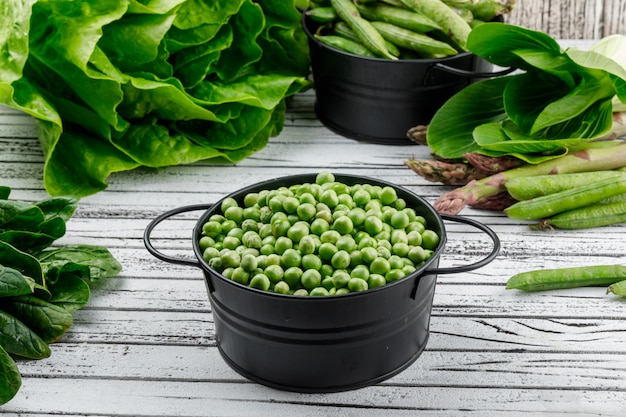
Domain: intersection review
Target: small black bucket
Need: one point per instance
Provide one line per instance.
(379, 100)
(322, 344)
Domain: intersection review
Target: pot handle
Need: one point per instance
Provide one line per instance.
(164, 216)
(476, 265)
(472, 74)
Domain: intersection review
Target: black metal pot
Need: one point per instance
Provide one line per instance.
(378, 100)
(323, 344)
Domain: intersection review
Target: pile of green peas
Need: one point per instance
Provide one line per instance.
(317, 239)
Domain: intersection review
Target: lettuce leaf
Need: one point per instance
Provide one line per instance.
(115, 85)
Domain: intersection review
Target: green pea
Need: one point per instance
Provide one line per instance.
(282, 244)
(327, 250)
(388, 195)
(360, 271)
(383, 252)
(306, 211)
(210, 253)
(282, 287)
(234, 213)
(357, 285)
(324, 214)
(330, 236)
(376, 280)
(261, 282)
(275, 273)
(311, 261)
(329, 197)
(292, 276)
(230, 258)
(342, 291)
(373, 225)
(368, 254)
(265, 215)
(319, 292)
(361, 197)
(400, 249)
(340, 278)
(298, 231)
(275, 203)
(340, 260)
(228, 225)
(240, 275)
(307, 245)
(280, 227)
(355, 258)
(394, 275)
(231, 242)
(306, 197)
(408, 269)
(380, 266)
(417, 254)
(343, 224)
(250, 199)
(236, 232)
(399, 204)
(301, 292)
(252, 213)
(399, 236)
(327, 270)
(346, 243)
(395, 262)
(414, 238)
(291, 257)
(290, 204)
(345, 199)
(249, 262)
(430, 239)
(267, 249)
(328, 283)
(324, 177)
(227, 203)
(212, 228)
(311, 278)
(228, 272)
(400, 220)
(217, 218)
(273, 259)
(251, 239)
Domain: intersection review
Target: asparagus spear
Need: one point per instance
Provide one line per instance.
(593, 159)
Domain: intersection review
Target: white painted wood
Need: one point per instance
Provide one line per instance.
(145, 344)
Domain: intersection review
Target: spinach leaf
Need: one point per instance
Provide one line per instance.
(47, 320)
(17, 339)
(10, 378)
(98, 260)
(12, 282)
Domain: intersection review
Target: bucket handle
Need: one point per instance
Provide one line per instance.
(465, 268)
(471, 74)
(164, 216)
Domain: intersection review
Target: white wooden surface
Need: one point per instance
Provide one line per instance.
(145, 346)
(571, 19)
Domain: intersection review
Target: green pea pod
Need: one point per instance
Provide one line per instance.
(344, 44)
(398, 16)
(451, 23)
(342, 29)
(617, 288)
(417, 42)
(324, 14)
(560, 278)
(587, 217)
(368, 35)
(549, 205)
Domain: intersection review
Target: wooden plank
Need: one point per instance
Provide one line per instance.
(176, 398)
(454, 369)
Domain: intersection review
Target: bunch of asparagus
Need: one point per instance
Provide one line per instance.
(482, 179)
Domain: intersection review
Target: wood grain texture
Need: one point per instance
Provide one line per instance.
(571, 19)
(145, 344)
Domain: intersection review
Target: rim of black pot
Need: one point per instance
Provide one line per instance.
(310, 178)
(306, 20)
